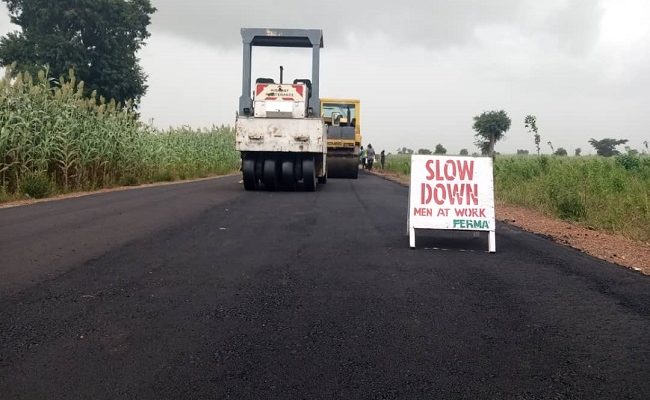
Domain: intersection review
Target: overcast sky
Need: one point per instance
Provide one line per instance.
(422, 69)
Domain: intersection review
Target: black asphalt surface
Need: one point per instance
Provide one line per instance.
(202, 291)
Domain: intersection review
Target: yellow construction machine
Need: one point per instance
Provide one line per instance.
(343, 120)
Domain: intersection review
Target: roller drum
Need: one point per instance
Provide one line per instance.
(342, 167)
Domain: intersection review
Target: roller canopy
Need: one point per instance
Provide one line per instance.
(308, 38)
(283, 37)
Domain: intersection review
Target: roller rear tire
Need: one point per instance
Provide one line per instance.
(248, 171)
(288, 175)
(309, 174)
(271, 174)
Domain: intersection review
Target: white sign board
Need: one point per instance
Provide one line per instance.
(455, 193)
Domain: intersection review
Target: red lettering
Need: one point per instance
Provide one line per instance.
(450, 170)
(429, 170)
(471, 193)
(470, 212)
(433, 174)
(439, 190)
(425, 194)
(455, 194)
(423, 212)
(466, 170)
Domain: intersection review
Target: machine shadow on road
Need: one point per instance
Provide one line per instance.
(451, 240)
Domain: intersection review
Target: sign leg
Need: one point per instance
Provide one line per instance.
(408, 216)
(412, 237)
(408, 224)
(492, 242)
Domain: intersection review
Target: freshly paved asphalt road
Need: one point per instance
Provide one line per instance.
(202, 290)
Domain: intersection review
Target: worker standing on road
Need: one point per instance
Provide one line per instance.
(371, 156)
(382, 158)
(362, 157)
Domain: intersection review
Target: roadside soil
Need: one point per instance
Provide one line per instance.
(604, 245)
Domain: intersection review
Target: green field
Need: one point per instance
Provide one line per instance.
(52, 140)
(611, 194)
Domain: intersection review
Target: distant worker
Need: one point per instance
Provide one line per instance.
(382, 158)
(371, 156)
(362, 157)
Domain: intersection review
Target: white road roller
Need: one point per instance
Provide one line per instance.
(279, 130)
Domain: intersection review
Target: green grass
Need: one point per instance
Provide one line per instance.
(400, 164)
(611, 194)
(53, 140)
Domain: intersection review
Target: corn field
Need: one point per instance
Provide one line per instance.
(54, 140)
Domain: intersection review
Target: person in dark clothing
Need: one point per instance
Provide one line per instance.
(382, 158)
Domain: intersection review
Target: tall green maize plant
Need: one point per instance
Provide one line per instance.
(48, 129)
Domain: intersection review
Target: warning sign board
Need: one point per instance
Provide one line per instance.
(455, 193)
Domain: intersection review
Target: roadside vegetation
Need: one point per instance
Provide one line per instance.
(54, 140)
(607, 193)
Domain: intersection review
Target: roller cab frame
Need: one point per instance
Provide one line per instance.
(279, 130)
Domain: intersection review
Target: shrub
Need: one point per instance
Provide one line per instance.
(128, 180)
(36, 185)
(629, 161)
(571, 208)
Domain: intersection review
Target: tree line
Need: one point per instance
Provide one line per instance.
(491, 126)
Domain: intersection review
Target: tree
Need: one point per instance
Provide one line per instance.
(522, 152)
(490, 128)
(560, 152)
(440, 150)
(484, 146)
(404, 150)
(631, 151)
(464, 152)
(424, 151)
(645, 143)
(99, 39)
(531, 123)
(607, 147)
(578, 151)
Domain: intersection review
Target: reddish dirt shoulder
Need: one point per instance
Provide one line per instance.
(606, 246)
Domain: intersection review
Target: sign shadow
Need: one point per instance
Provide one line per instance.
(452, 240)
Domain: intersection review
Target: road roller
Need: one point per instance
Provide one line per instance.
(279, 131)
(343, 120)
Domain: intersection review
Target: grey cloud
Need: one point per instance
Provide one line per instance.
(431, 24)
(576, 25)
